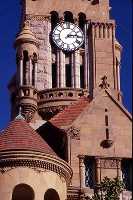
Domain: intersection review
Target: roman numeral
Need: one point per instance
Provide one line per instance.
(68, 25)
(78, 42)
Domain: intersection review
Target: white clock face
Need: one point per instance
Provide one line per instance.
(68, 36)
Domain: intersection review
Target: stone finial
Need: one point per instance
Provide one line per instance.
(20, 116)
(26, 35)
(26, 24)
(104, 84)
(73, 132)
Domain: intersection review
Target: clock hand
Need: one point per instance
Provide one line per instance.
(69, 36)
(74, 36)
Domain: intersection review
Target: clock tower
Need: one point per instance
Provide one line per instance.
(67, 84)
(63, 52)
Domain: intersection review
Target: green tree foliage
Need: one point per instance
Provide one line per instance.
(109, 189)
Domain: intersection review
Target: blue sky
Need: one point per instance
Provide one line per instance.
(9, 26)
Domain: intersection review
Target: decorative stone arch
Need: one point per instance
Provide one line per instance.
(54, 18)
(25, 66)
(51, 194)
(68, 16)
(82, 20)
(23, 192)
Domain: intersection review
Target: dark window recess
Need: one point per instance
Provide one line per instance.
(25, 67)
(51, 194)
(33, 74)
(54, 76)
(68, 16)
(81, 76)
(68, 75)
(107, 133)
(89, 172)
(106, 120)
(82, 20)
(23, 192)
(126, 166)
(54, 19)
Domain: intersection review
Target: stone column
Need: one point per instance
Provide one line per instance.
(30, 70)
(49, 54)
(35, 74)
(77, 69)
(62, 73)
(86, 69)
(58, 67)
(21, 71)
(118, 76)
(82, 171)
(98, 171)
(119, 174)
(73, 70)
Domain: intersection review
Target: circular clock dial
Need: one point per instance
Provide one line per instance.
(68, 36)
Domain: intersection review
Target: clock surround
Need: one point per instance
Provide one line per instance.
(68, 36)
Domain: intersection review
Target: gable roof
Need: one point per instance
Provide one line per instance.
(123, 109)
(69, 114)
(20, 136)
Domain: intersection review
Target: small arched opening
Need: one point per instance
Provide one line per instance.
(25, 67)
(23, 192)
(68, 16)
(54, 19)
(82, 20)
(34, 70)
(51, 194)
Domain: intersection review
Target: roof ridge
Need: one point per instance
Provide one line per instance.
(62, 116)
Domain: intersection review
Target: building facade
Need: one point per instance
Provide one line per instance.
(67, 88)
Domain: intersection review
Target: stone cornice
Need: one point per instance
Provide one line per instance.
(109, 23)
(38, 17)
(35, 160)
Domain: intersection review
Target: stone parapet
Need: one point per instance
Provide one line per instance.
(55, 100)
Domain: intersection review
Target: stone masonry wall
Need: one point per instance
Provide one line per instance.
(41, 28)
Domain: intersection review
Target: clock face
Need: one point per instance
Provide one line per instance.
(68, 36)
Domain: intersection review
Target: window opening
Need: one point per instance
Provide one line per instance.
(23, 192)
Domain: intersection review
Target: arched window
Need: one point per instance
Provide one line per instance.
(126, 166)
(51, 194)
(33, 69)
(82, 76)
(54, 19)
(82, 20)
(23, 192)
(68, 16)
(54, 75)
(89, 172)
(25, 67)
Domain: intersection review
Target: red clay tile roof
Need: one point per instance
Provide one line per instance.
(69, 114)
(20, 136)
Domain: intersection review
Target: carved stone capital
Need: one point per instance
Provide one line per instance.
(104, 84)
(73, 132)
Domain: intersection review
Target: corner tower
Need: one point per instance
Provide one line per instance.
(64, 75)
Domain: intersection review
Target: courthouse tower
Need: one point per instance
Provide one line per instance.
(67, 84)
(61, 75)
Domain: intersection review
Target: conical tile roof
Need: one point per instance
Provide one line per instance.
(26, 35)
(20, 136)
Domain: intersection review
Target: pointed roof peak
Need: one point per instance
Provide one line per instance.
(26, 35)
(20, 136)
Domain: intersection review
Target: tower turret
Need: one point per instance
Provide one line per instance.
(27, 55)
